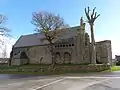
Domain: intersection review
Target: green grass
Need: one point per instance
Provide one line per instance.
(115, 68)
(35, 69)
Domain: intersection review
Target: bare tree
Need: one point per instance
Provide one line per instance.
(4, 32)
(50, 25)
(91, 19)
(4, 51)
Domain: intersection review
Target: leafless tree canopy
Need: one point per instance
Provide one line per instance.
(48, 23)
(3, 29)
(51, 25)
(91, 18)
(4, 51)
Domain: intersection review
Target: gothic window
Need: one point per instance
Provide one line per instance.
(24, 58)
(23, 55)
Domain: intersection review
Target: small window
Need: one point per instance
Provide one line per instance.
(69, 45)
(63, 45)
(66, 45)
(60, 45)
(55, 46)
(72, 44)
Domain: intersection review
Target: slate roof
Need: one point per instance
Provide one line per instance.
(29, 40)
(36, 39)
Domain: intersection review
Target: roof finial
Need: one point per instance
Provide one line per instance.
(81, 21)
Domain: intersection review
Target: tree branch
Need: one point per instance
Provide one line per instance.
(93, 13)
(87, 13)
(97, 16)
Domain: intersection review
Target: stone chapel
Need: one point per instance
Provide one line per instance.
(71, 47)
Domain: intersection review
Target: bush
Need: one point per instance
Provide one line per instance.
(118, 63)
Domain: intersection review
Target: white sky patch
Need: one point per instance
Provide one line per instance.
(6, 43)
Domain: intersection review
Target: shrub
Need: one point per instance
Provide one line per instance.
(118, 63)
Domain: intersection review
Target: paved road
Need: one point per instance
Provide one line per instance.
(93, 81)
(15, 76)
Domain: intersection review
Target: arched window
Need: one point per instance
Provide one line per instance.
(58, 58)
(24, 58)
(23, 55)
(57, 54)
(67, 58)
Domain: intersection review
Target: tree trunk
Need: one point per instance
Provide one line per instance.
(9, 62)
(93, 49)
(10, 59)
(52, 54)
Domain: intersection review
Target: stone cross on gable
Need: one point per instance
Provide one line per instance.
(81, 21)
(82, 24)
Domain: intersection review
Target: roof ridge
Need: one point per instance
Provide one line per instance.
(30, 34)
(41, 33)
(32, 39)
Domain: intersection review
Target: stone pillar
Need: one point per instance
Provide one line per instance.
(81, 42)
(87, 51)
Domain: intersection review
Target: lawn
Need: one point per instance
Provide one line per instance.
(115, 68)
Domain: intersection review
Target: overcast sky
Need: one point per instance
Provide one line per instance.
(107, 26)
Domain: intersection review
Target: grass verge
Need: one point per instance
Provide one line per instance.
(37, 69)
(115, 68)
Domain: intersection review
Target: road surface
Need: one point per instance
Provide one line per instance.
(93, 81)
